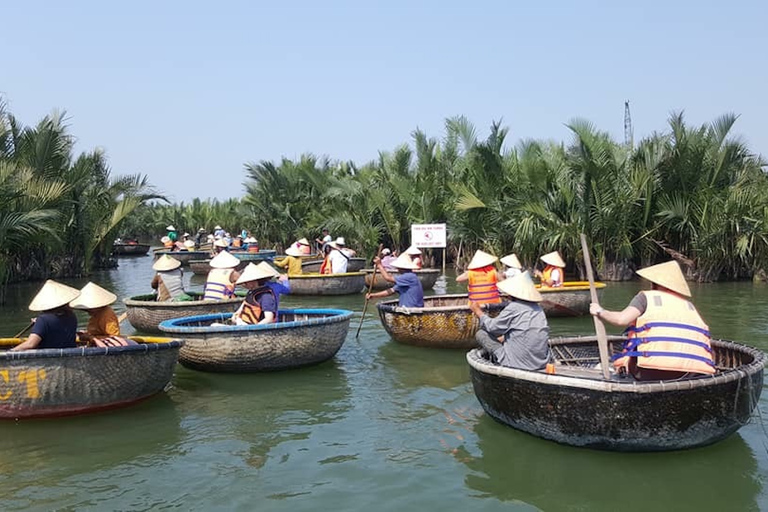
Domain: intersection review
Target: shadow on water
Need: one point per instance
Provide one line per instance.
(514, 466)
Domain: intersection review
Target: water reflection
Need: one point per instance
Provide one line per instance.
(416, 367)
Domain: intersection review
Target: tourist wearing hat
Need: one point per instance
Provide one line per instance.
(199, 236)
(280, 287)
(334, 261)
(251, 244)
(218, 246)
(168, 280)
(513, 266)
(237, 242)
(387, 259)
(292, 261)
(553, 274)
(482, 276)
(667, 338)
(172, 234)
(220, 283)
(519, 336)
(260, 304)
(167, 242)
(96, 301)
(407, 284)
(342, 244)
(218, 232)
(415, 255)
(56, 325)
(304, 247)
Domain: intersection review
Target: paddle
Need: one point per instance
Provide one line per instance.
(25, 330)
(602, 339)
(122, 317)
(370, 288)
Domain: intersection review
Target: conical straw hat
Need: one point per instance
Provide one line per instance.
(667, 275)
(521, 287)
(511, 260)
(413, 251)
(405, 262)
(292, 251)
(553, 258)
(266, 267)
(165, 263)
(93, 296)
(481, 259)
(53, 295)
(303, 241)
(170, 227)
(220, 243)
(189, 244)
(224, 260)
(254, 273)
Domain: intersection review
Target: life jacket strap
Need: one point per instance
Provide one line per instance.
(668, 354)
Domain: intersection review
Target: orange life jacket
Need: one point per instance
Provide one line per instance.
(237, 242)
(546, 276)
(218, 285)
(326, 267)
(169, 244)
(252, 313)
(669, 336)
(482, 286)
(253, 248)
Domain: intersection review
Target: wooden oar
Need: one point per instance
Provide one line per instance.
(24, 330)
(122, 317)
(602, 339)
(370, 288)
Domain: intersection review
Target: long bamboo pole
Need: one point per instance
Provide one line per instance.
(602, 338)
(370, 288)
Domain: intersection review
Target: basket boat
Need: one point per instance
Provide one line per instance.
(61, 382)
(445, 321)
(145, 313)
(301, 337)
(184, 256)
(327, 284)
(201, 267)
(130, 249)
(427, 276)
(313, 265)
(571, 299)
(264, 253)
(575, 406)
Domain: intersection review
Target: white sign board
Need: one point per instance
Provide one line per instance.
(428, 235)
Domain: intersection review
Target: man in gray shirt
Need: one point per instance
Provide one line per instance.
(522, 324)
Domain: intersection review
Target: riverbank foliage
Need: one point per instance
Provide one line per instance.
(59, 212)
(695, 193)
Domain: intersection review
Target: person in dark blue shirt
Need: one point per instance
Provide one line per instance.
(407, 284)
(56, 326)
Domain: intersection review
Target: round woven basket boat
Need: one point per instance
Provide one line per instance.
(311, 266)
(576, 406)
(571, 299)
(200, 267)
(145, 313)
(301, 337)
(130, 249)
(427, 276)
(59, 382)
(327, 284)
(445, 321)
(184, 256)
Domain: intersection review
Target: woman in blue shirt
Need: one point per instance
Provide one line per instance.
(56, 326)
(407, 284)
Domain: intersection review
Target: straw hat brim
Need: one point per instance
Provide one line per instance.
(511, 260)
(667, 275)
(292, 251)
(224, 260)
(93, 296)
(165, 263)
(53, 295)
(254, 273)
(554, 259)
(220, 243)
(404, 262)
(303, 241)
(266, 267)
(520, 287)
(413, 251)
(481, 259)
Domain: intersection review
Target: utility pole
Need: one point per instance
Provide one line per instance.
(629, 135)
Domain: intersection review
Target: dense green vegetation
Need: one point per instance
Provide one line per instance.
(58, 212)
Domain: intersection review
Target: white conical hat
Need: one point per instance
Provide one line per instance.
(217, 227)
(511, 260)
(220, 243)
(53, 295)
(170, 227)
(254, 273)
(189, 244)
(404, 262)
(165, 239)
(413, 251)
(293, 251)
(340, 241)
(481, 259)
(93, 296)
(303, 241)
(553, 258)
(266, 267)
(224, 260)
(165, 263)
(521, 287)
(667, 275)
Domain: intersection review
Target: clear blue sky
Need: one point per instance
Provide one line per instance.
(187, 92)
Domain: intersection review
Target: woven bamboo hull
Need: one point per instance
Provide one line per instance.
(60, 382)
(328, 284)
(445, 321)
(313, 266)
(622, 414)
(572, 299)
(145, 314)
(302, 337)
(184, 256)
(130, 249)
(200, 267)
(427, 276)
(263, 253)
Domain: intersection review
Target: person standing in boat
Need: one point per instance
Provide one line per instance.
(482, 277)
(220, 283)
(56, 325)
(415, 255)
(407, 284)
(169, 280)
(260, 304)
(522, 326)
(667, 338)
(292, 261)
(553, 274)
(172, 234)
(96, 301)
(513, 266)
(322, 242)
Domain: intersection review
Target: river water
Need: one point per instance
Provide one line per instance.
(382, 426)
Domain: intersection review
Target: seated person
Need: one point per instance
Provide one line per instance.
(220, 283)
(56, 325)
(513, 266)
(260, 304)
(280, 287)
(482, 277)
(521, 325)
(96, 301)
(407, 284)
(304, 248)
(292, 261)
(553, 274)
(415, 255)
(169, 280)
(387, 258)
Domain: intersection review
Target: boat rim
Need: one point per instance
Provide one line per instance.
(325, 276)
(331, 316)
(390, 306)
(147, 344)
(132, 301)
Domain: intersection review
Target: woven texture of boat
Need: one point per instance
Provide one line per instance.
(145, 313)
(353, 265)
(130, 249)
(576, 406)
(571, 299)
(60, 382)
(327, 284)
(301, 337)
(184, 256)
(445, 321)
(427, 276)
(200, 267)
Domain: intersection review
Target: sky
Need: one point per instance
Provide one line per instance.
(189, 92)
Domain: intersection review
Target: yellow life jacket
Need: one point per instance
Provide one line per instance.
(218, 285)
(252, 313)
(546, 276)
(669, 336)
(482, 286)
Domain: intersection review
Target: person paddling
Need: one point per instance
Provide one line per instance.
(56, 325)
(407, 284)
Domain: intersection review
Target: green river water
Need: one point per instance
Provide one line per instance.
(382, 426)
